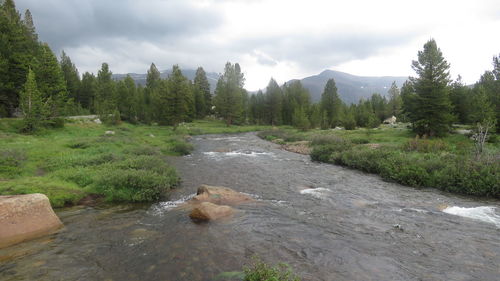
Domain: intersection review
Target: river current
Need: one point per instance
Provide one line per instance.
(327, 222)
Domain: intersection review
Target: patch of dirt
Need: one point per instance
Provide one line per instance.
(301, 147)
(373, 145)
(90, 200)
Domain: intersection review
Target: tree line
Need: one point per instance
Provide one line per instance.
(38, 86)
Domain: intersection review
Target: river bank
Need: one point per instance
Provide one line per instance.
(395, 154)
(85, 162)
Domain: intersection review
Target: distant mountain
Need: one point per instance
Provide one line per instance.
(350, 87)
(189, 73)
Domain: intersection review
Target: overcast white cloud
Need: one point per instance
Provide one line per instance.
(284, 39)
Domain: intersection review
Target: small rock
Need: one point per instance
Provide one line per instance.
(219, 195)
(109, 132)
(208, 211)
(97, 121)
(398, 227)
(151, 135)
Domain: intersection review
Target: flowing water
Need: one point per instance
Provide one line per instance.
(327, 222)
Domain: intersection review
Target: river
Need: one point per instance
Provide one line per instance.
(326, 221)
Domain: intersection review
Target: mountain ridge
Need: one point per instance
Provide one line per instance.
(351, 88)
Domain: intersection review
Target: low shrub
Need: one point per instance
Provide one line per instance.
(57, 122)
(324, 153)
(273, 134)
(11, 162)
(360, 141)
(259, 271)
(493, 138)
(143, 150)
(182, 147)
(137, 183)
(326, 139)
(455, 173)
(425, 145)
(79, 145)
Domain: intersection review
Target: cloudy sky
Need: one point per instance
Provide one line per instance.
(284, 39)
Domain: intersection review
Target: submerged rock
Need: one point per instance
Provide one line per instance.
(25, 217)
(219, 195)
(206, 211)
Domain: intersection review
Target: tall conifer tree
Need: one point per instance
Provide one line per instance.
(228, 93)
(202, 95)
(432, 108)
(71, 76)
(331, 105)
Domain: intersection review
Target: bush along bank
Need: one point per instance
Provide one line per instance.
(416, 162)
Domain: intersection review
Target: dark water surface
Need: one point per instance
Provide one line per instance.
(327, 222)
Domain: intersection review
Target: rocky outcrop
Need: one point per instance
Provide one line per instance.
(219, 195)
(206, 211)
(211, 202)
(391, 121)
(24, 217)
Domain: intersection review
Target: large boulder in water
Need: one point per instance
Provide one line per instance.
(206, 211)
(24, 217)
(220, 195)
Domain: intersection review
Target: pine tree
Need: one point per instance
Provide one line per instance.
(274, 102)
(408, 97)
(395, 101)
(380, 107)
(300, 119)
(349, 121)
(153, 97)
(4, 97)
(17, 50)
(31, 104)
(71, 77)
(490, 82)
(460, 96)
(106, 100)
(365, 115)
(50, 80)
(330, 105)
(433, 109)
(179, 98)
(315, 115)
(30, 26)
(294, 96)
(202, 95)
(126, 92)
(228, 93)
(480, 108)
(87, 92)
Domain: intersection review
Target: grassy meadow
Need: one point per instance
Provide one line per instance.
(80, 159)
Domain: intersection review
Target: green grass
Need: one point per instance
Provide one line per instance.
(70, 163)
(203, 127)
(395, 154)
(260, 271)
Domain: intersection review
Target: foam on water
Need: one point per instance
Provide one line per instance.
(161, 207)
(220, 155)
(483, 213)
(227, 138)
(319, 192)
